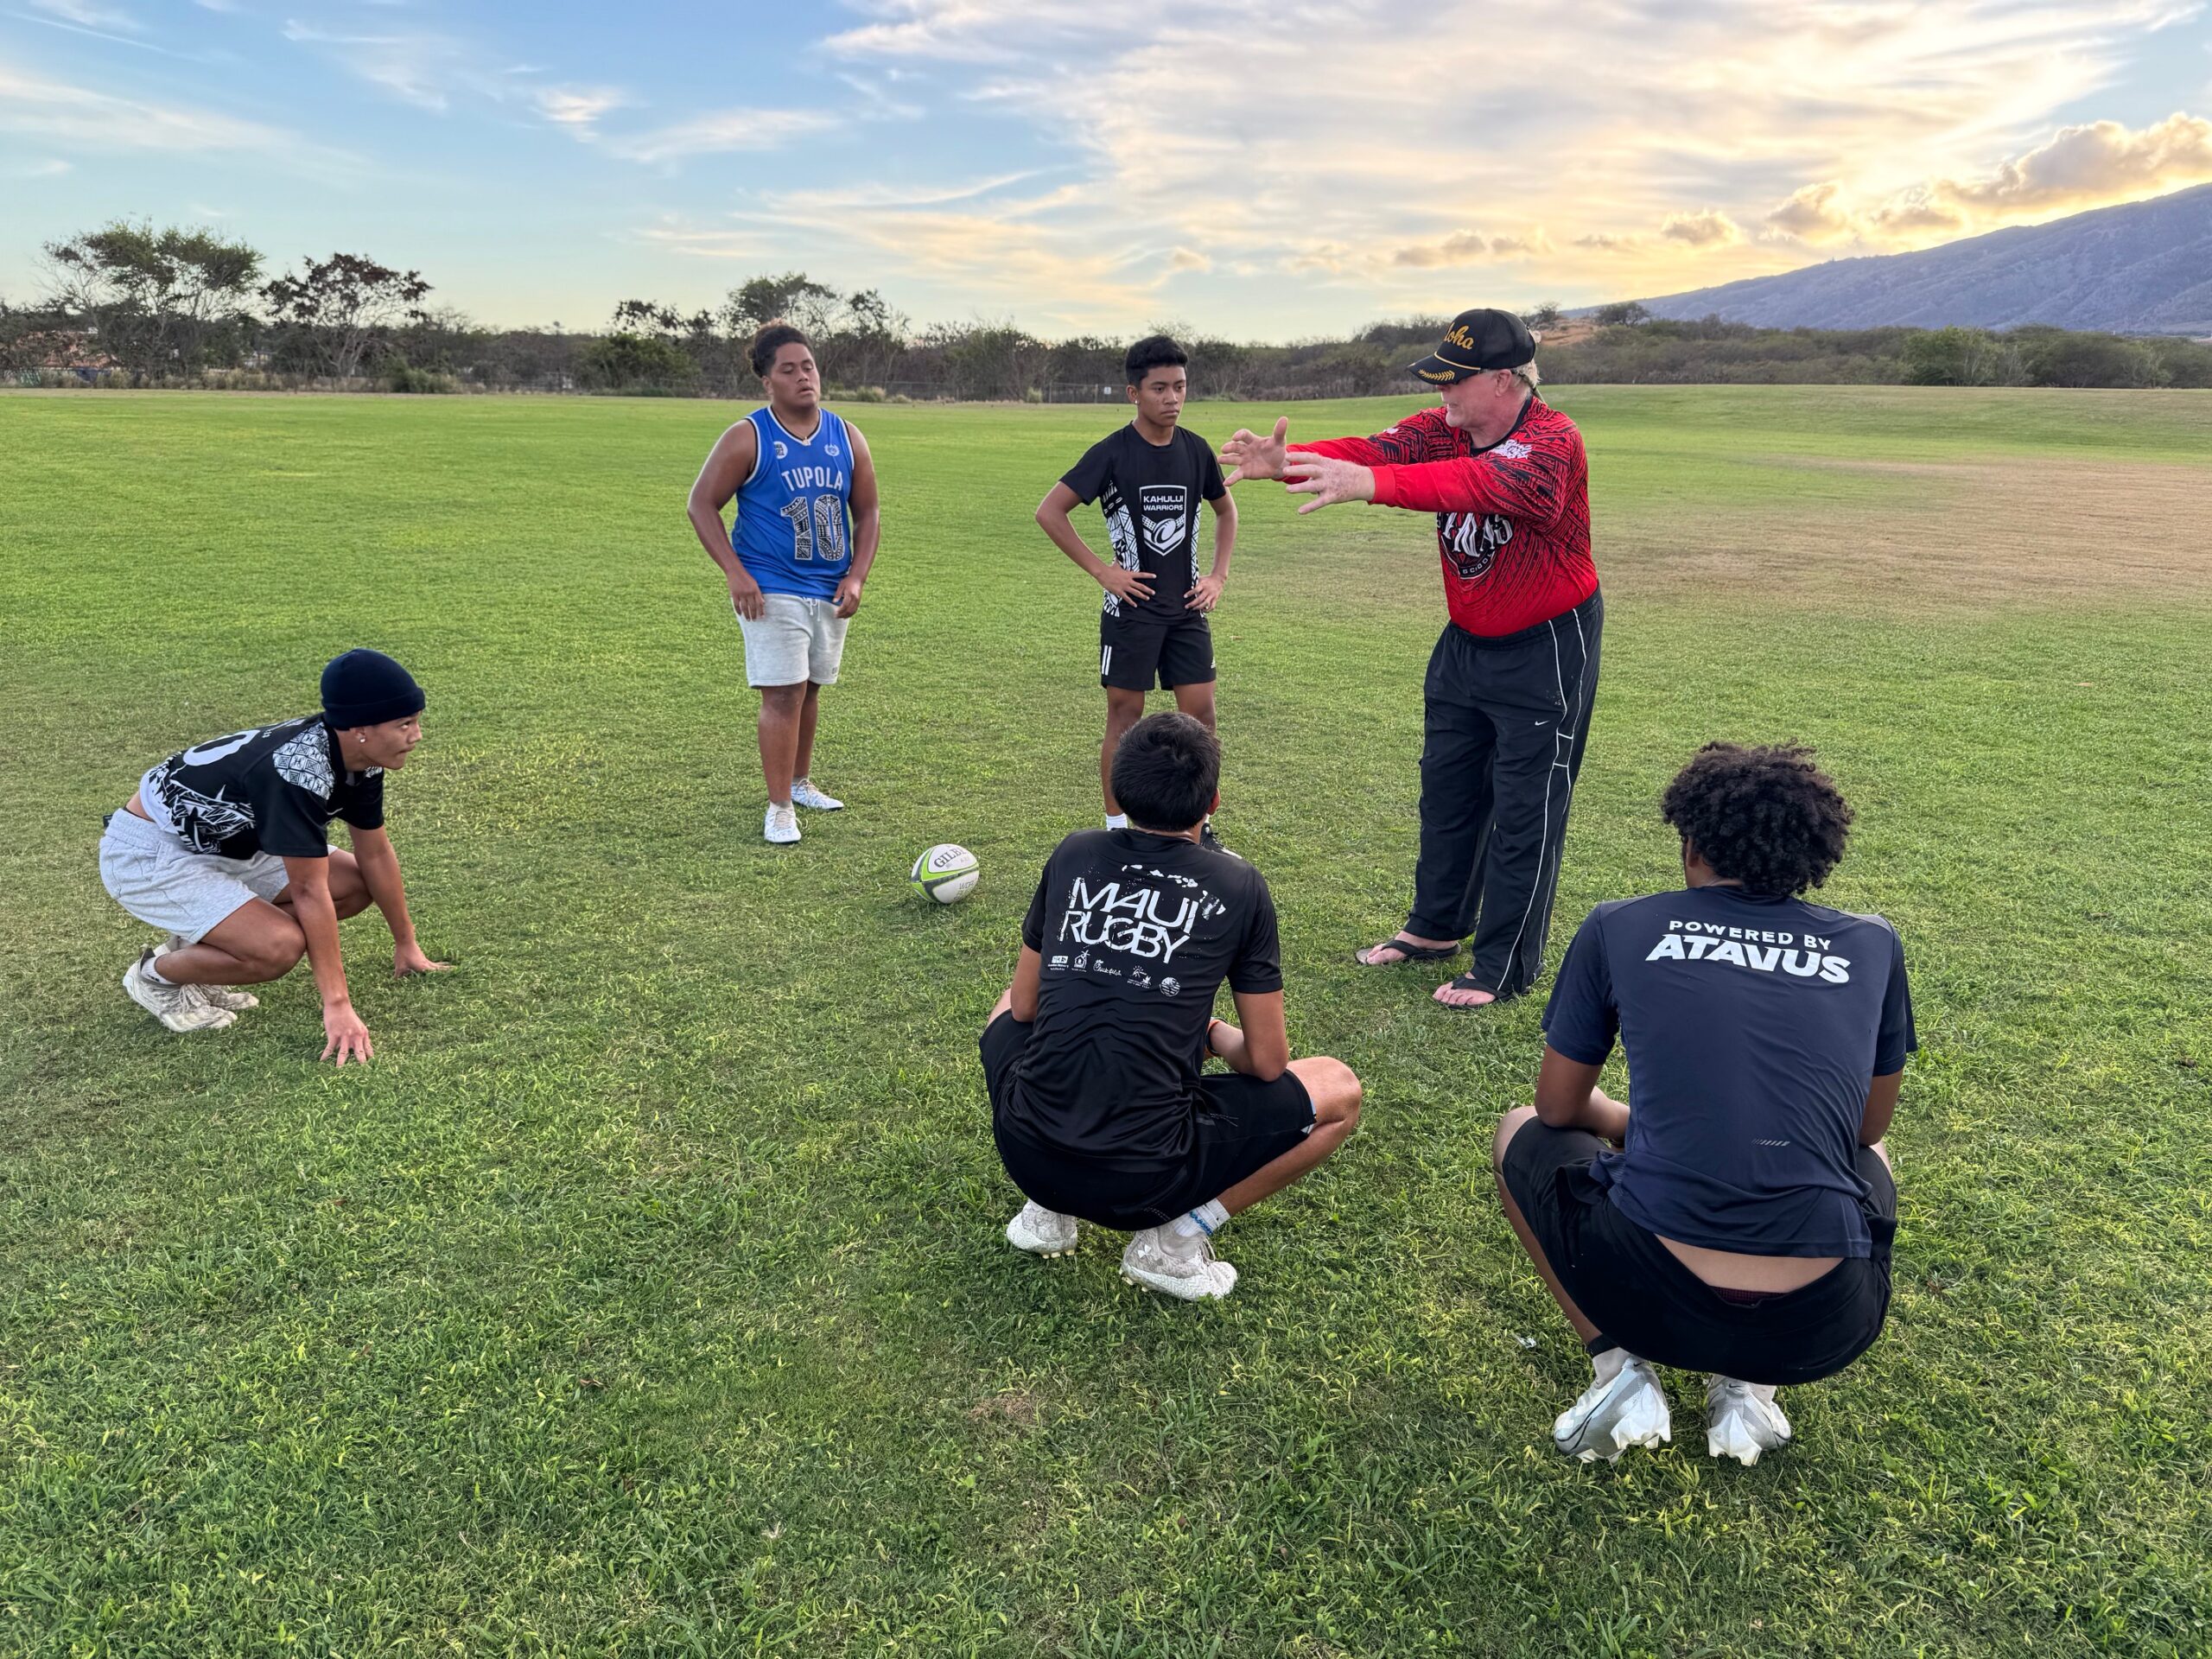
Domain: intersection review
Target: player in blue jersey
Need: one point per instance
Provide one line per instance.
(805, 539)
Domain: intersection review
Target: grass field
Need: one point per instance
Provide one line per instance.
(646, 1294)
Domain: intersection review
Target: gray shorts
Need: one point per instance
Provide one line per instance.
(166, 884)
(794, 639)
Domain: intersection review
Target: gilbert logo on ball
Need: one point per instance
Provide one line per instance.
(946, 874)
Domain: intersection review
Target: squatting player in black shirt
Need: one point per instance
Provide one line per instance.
(225, 848)
(1093, 1056)
(1149, 478)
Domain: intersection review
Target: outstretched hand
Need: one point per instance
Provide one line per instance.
(410, 959)
(1249, 455)
(1328, 480)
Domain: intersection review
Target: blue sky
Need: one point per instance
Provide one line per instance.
(1257, 170)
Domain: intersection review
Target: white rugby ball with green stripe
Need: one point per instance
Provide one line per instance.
(947, 873)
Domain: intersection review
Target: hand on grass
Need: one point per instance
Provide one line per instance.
(349, 1035)
(1328, 480)
(848, 595)
(745, 594)
(1207, 594)
(1130, 587)
(1250, 456)
(409, 959)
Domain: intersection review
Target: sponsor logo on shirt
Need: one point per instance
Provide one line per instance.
(1764, 951)
(1171, 988)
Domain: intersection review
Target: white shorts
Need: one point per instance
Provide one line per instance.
(166, 884)
(794, 639)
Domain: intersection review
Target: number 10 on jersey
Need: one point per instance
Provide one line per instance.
(822, 527)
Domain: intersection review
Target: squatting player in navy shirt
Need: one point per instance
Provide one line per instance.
(1093, 1057)
(1149, 478)
(1743, 1226)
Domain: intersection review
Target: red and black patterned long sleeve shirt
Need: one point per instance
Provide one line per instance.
(1512, 520)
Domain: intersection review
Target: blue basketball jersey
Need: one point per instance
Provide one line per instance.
(794, 532)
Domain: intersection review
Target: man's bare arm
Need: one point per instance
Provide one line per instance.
(1568, 1097)
(729, 463)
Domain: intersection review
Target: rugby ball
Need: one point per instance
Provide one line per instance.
(946, 874)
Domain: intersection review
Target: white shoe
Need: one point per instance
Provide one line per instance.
(221, 996)
(1739, 1424)
(1041, 1231)
(181, 1008)
(1185, 1268)
(781, 827)
(1610, 1417)
(803, 794)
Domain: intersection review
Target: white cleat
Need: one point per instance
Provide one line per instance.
(1739, 1424)
(179, 1007)
(781, 826)
(1184, 1268)
(221, 996)
(1041, 1231)
(1610, 1417)
(803, 794)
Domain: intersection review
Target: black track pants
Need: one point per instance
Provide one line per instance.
(1505, 724)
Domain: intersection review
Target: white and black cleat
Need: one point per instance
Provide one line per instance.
(1611, 1417)
(221, 996)
(1739, 1423)
(179, 1007)
(1185, 1268)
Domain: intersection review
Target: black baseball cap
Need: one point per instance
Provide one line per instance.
(1478, 341)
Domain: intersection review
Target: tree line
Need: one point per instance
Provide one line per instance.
(129, 304)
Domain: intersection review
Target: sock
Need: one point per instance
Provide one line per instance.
(1208, 1218)
(1763, 1390)
(1117, 820)
(153, 971)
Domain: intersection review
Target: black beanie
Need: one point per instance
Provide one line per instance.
(366, 688)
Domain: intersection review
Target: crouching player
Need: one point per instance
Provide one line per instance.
(1742, 1228)
(1093, 1056)
(223, 847)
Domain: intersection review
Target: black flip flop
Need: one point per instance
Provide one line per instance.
(1466, 983)
(1413, 953)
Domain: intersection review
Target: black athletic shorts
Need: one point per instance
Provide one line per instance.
(1242, 1125)
(1636, 1291)
(1136, 653)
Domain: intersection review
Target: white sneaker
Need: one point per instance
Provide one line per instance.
(1041, 1231)
(1610, 1417)
(221, 996)
(1185, 1268)
(1739, 1424)
(781, 827)
(181, 1008)
(803, 794)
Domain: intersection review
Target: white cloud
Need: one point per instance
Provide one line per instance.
(723, 132)
(88, 16)
(1710, 229)
(1645, 139)
(421, 68)
(2087, 166)
(79, 117)
(577, 108)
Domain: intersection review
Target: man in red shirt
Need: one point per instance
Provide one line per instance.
(1510, 684)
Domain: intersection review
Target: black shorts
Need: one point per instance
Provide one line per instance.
(1637, 1291)
(1134, 651)
(1242, 1125)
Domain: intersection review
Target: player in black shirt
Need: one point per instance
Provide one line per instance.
(1149, 478)
(1093, 1056)
(225, 847)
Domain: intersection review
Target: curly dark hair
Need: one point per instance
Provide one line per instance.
(1767, 816)
(772, 338)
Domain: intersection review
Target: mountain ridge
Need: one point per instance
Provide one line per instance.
(2139, 268)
